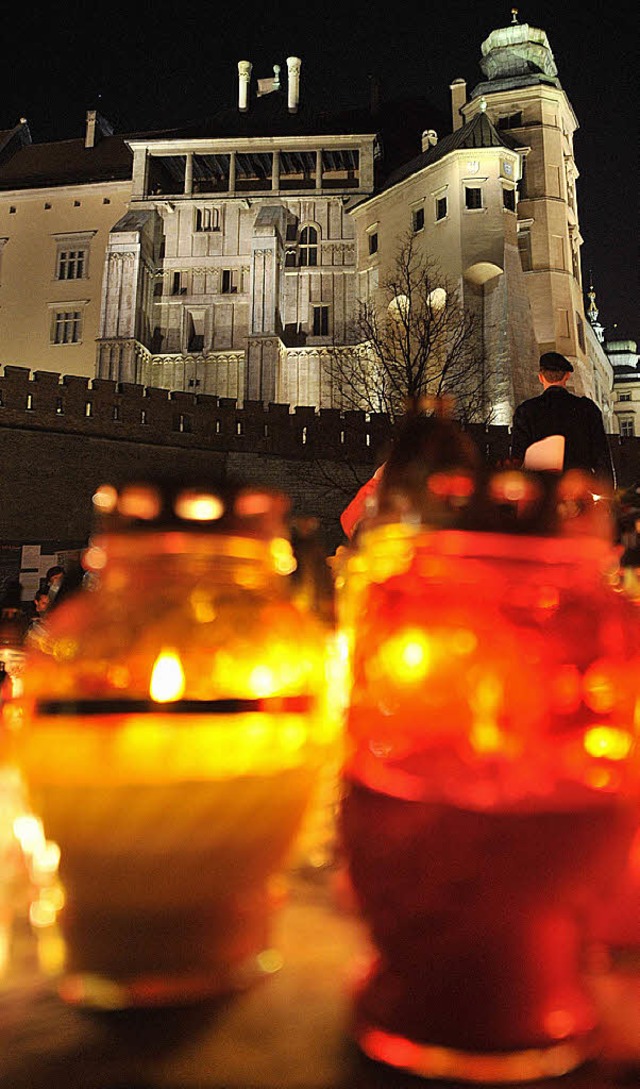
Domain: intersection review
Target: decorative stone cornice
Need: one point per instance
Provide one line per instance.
(117, 255)
(206, 358)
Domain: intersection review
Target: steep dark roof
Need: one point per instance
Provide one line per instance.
(66, 162)
(478, 133)
(399, 124)
(266, 116)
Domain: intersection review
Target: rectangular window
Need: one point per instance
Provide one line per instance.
(522, 184)
(509, 199)
(227, 285)
(207, 219)
(510, 121)
(472, 197)
(71, 264)
(524, 246)
(178, 286)
(320, 321)
(580, 330)
(575, 260)
(373, 243)
(418, 219)
(625, 397)
(441, 208)
(627, 427)
(195, 331)
(67, 327)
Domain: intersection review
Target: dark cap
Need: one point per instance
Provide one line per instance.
(553, 361)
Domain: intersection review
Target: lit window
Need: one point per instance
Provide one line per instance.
(472, 197)
(308, 248)
(418, 219)
(441, 208)
(72, 255)
(320, 321)
(71, 264)
(66, 327)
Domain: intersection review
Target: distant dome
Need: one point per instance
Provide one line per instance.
(622, 346)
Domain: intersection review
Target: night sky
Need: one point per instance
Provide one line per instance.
(151, 65)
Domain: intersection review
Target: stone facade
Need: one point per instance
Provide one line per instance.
(625, 360)
(237, 279)
(38, 283)
(228, 259)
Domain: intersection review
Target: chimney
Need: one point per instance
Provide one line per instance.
(293, 83)
(429, 139)
(458, 98)
(97, 126)
(244, 77)
(90, 131)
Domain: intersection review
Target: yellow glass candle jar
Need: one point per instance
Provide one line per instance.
(170, 742)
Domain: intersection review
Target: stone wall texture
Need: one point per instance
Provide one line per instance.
(62, 437)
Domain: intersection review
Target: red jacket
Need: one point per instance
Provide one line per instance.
(354, 512)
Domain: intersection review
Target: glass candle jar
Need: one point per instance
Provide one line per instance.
(170, 744)
(492, 768)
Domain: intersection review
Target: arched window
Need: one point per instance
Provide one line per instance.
(308, 247)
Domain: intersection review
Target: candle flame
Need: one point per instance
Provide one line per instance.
(608, 742)
(167, 678)
(407, 656)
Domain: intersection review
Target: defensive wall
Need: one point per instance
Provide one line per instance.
(62, 436)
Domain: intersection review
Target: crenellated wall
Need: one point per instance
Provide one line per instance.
(74, 405)
(62, 436)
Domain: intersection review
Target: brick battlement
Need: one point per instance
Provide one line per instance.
(72, 405)
(98, 407)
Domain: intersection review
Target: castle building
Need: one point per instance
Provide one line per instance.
(625, 360)
(229, 258)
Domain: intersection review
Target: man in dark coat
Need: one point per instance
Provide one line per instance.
(572, 426)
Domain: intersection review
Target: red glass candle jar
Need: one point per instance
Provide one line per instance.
(489, 790)
(171, 742)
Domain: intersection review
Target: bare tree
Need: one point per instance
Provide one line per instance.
(414, 340)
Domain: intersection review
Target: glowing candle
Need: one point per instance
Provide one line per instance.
(167, 678)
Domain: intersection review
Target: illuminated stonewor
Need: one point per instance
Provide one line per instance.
(228, 257)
